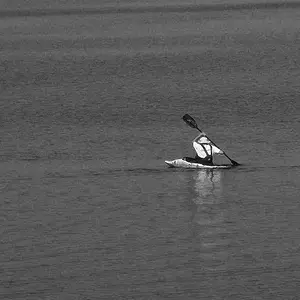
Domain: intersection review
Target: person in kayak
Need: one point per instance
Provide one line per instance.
(204, 150)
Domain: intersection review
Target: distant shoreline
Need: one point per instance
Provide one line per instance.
(146, 9)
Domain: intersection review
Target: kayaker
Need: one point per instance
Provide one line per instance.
(204, 150)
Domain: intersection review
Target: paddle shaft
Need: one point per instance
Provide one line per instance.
(232, 161)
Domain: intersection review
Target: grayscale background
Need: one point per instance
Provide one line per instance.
(91, 99)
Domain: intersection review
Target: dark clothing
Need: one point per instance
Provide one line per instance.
(189, 159)
(204, 161)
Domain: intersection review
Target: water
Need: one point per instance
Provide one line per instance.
(91, 107)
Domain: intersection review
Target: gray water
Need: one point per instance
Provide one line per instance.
(91, 106)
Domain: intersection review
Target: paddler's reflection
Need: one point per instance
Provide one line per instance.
(210, 219)
(207, 186)
(208, 198)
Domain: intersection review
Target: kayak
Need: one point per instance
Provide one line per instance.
(181, 163)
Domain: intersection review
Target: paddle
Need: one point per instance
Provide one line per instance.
(192, 123)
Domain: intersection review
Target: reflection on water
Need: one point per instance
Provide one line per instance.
(210, 216)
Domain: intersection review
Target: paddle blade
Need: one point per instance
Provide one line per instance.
(189, 121)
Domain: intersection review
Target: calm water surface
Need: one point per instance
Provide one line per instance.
(91, 108)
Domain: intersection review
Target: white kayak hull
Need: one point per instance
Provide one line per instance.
(181, 163)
